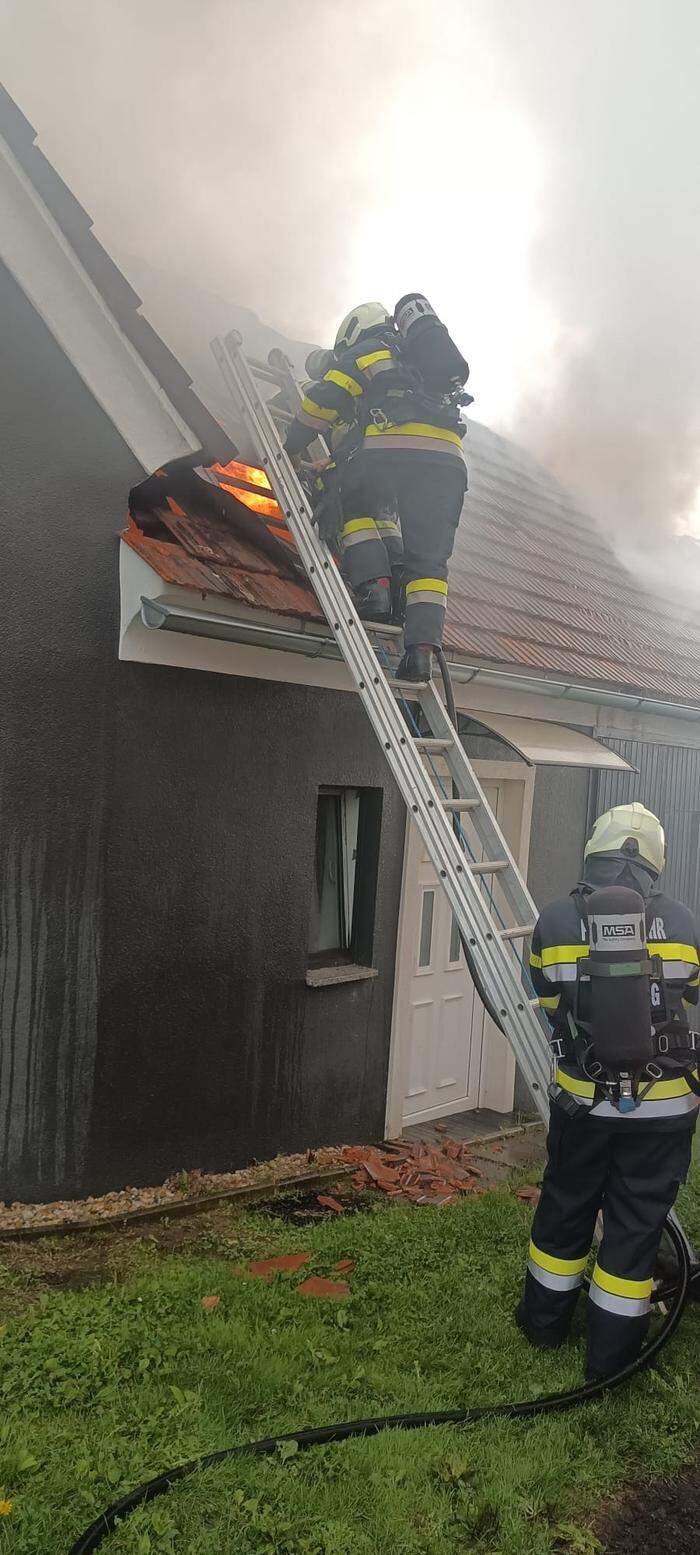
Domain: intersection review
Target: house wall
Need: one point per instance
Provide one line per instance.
(667, 781)
(157, 830)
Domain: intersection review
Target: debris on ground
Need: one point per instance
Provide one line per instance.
(529, 1194)
(210, 1303)
(316, 1285)
(414, 1171)
(662, 1517)
(267, 1268)
(329, 1203)
(177, 1189)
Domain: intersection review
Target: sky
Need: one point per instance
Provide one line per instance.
(529, 164)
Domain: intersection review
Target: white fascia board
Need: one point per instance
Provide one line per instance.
(38, 255)
(141, 644)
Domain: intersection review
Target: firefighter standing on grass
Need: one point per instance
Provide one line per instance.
(399, 379)
(616, 967)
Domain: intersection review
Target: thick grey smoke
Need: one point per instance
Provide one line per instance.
(280, 154)
(614, 407)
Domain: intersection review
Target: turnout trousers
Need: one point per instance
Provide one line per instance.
(631, 1172)
(400, 514)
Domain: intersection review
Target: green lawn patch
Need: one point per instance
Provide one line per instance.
(103, 1387)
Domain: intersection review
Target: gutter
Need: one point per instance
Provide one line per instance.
(309, 641)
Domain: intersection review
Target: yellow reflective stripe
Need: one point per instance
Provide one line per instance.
(434, 585)
(635, 1289)
(661, 1090)
(355, 524)
(549, 1003)
(666, 1088)
(373, 356)
(535, 960)
(672, 952)
(557, 1265)
(558, 955)
(312, 409)
(577, 1087)
(414, 429)
(344, 381)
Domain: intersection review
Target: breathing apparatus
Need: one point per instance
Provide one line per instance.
(621, 1023)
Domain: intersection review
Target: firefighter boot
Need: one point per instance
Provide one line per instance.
(374, 600)
(416, 664)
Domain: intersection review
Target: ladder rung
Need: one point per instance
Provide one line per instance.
(432, 747)
(377, 629)
(521, 931)
(457, 806)
(489, 867)
(280, 415)
(409, 688)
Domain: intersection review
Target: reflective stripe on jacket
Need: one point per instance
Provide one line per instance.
(370, 385)
(559, 942)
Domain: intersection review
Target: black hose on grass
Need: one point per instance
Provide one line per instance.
(321, 1436)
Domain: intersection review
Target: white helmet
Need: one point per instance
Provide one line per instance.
(628, 831)
(368, 315)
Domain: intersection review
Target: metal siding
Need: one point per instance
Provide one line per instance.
(668, 782)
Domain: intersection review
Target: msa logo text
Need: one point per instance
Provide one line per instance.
(618, 931)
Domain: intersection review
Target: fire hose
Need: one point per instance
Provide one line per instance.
(676, 1295)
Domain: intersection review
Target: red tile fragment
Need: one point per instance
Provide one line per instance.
(316, 1285)
(210, 1303)
(328, 1203)
(344, 1265)
(267, 1268)
(529, 1194)
(414, 1171)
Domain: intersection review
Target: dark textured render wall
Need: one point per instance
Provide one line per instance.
(157, 838)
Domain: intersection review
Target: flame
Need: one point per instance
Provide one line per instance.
(252, 499)
(243, 472)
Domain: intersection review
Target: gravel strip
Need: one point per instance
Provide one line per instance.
(185, 1189)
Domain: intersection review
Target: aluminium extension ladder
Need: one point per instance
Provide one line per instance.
(491, 925)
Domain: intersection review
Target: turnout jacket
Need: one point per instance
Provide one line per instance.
(558, 942)
(370, 385)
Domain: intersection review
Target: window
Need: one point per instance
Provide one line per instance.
(348, 825)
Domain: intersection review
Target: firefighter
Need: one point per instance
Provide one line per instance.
(353, 494)
(618, 1141)
(411, 460)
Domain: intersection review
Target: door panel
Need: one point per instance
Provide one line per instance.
(452, 1057)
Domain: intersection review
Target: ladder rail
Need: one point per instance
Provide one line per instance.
(492, 957)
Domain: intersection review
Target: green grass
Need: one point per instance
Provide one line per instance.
(102, 1388)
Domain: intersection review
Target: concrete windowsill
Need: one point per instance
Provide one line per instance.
(329, 976)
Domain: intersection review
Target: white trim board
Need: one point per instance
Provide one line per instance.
(38, 255)
(138, 642)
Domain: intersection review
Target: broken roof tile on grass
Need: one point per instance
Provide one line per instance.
(415, 1172)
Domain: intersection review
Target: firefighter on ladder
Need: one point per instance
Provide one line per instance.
(403, 490)
(624, 1092)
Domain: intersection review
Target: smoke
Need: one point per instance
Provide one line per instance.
(531, 166)
(614, 406)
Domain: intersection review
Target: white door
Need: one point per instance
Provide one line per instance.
(449, 1057)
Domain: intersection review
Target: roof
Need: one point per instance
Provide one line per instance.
(122, 302)
(534, 585)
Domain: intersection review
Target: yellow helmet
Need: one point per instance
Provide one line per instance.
(367, 315)
(628, 831)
